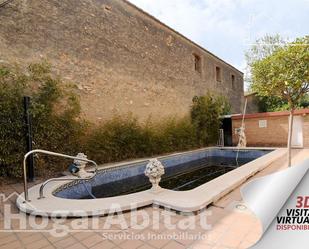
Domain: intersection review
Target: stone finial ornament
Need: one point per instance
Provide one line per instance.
(154, 170)
(82, 173)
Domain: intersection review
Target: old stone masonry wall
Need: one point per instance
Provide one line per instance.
(121, 59)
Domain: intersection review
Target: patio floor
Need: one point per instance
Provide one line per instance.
(231, 227)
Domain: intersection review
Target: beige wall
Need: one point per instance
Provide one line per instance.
(275, 134)
(121, 59)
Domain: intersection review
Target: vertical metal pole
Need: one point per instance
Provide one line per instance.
(30, 168)
(244, 113)
(25, 180)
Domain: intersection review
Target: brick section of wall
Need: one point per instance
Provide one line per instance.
(121, 59)
(275, 134)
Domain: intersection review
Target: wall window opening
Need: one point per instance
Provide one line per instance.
(197, 63)
(218, 74)
(233, 81)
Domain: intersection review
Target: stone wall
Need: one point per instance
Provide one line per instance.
(252, 103)
(121, 59)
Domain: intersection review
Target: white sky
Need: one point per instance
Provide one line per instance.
(228, 27)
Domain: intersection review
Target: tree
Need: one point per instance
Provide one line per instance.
(262, 48)
(284, 74)
(274, 104)
(271, 104)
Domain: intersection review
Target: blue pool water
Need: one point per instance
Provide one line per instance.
(183, 171)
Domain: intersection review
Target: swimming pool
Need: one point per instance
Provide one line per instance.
(192, 180)
(184, 171)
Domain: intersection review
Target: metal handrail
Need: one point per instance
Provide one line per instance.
(26, 195)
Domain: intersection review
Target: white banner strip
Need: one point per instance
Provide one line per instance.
(265, 196)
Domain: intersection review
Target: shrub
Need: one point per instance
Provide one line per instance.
(205, 115)
(117, 139)
(123, 138)
(12, 142)
(176, 135)
(57, 127)
(52, 129)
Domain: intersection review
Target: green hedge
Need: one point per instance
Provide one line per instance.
(54, 110)
(123, 137)
(57, 126)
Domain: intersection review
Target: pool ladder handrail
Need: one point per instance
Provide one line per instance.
(41, 193)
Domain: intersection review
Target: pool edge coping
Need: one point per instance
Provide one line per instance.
(210, 191)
